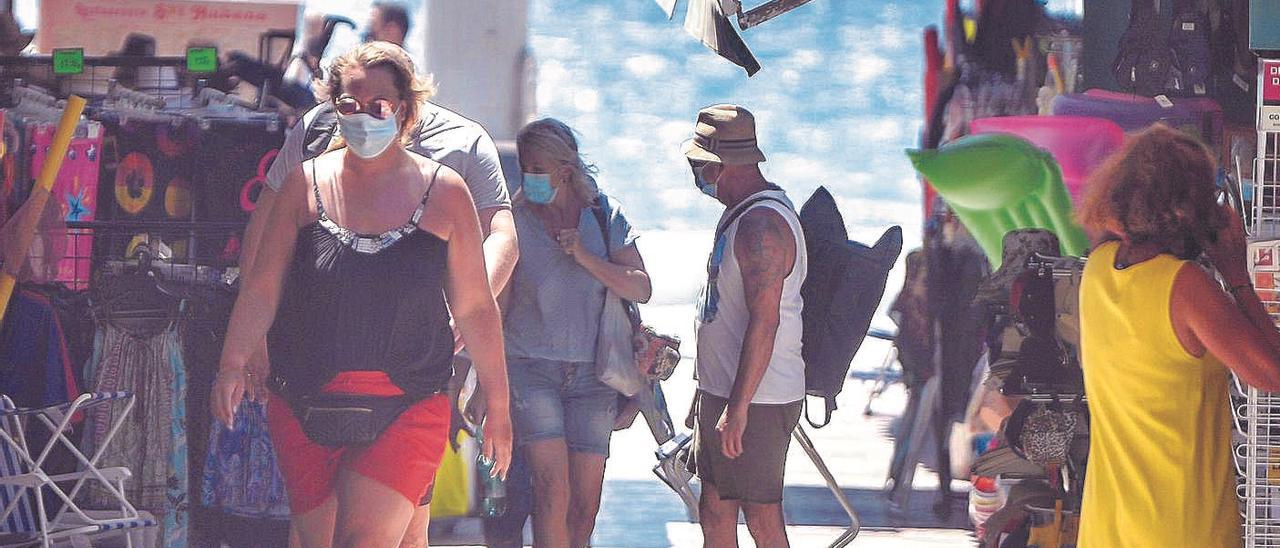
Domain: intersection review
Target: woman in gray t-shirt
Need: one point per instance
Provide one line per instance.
(574, 243)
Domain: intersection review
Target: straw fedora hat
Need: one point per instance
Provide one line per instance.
(724, 134)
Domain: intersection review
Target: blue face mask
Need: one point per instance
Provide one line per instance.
(708, 188)
(538, 189)
(367, 136)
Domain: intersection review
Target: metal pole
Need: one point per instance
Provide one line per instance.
(855, 525)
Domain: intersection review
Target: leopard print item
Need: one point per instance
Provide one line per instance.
(1046, 435)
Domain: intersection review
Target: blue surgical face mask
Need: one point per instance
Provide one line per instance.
(707, 187)
(367, 136)
(538, 189)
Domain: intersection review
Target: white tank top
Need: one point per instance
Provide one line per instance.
(723, 316)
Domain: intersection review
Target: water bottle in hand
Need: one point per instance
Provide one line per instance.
(494, 503)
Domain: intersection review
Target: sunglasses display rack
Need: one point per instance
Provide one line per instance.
(1257, 413)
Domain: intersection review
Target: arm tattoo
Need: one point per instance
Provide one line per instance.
(765, 248)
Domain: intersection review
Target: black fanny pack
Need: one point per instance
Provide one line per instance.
(345, 420)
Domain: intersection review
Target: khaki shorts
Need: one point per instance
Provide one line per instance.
(756, 475)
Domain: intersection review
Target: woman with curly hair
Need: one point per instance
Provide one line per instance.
(1159, 337)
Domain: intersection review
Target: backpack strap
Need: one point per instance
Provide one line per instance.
(742, 210)
(830, 403)
(597, 210)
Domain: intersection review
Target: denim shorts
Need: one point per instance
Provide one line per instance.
(552, 399)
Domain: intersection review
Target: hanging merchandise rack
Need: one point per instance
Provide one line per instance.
(1257, 413)
(162, 158)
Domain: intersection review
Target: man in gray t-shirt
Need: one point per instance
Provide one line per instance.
(444, 136)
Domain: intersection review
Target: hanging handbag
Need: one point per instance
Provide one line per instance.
(629, 354)
(615, 353)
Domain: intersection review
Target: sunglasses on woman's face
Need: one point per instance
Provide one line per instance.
(378, 108)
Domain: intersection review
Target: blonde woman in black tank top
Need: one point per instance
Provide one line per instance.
(356, 288)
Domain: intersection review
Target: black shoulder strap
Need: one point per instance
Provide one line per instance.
(602, 219)
(733, 217)
(1143, 31)
(315, 187)
(422, 204)
(597, 210)
(1142, 11)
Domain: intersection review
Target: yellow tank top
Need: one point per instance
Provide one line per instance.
(1159, 472)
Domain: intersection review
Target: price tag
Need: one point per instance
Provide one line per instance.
(68, 61)
(202, 59)
(1269, 118)
(1163, 101)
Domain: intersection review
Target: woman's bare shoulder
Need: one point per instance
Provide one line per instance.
(445, 182)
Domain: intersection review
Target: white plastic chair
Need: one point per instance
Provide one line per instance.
(23, 483)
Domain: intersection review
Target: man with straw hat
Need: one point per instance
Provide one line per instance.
(750, 372)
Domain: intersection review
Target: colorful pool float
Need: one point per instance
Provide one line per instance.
(996, 183)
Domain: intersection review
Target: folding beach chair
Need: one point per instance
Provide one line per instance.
(19, 520)
(671, 467)
(23, 481)
(855, 524)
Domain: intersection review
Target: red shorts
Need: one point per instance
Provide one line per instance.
(404, 457)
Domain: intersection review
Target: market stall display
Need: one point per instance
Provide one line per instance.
(146, 263)
(1202, 78)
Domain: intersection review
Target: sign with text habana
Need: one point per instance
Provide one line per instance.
(101, 27)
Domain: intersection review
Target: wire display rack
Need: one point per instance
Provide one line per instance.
(170, 156)
(1256, 444)
(1258, 460)
(177, 253)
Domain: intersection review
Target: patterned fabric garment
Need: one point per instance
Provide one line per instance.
(152, 443)
(368, 244)
(241, 476)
